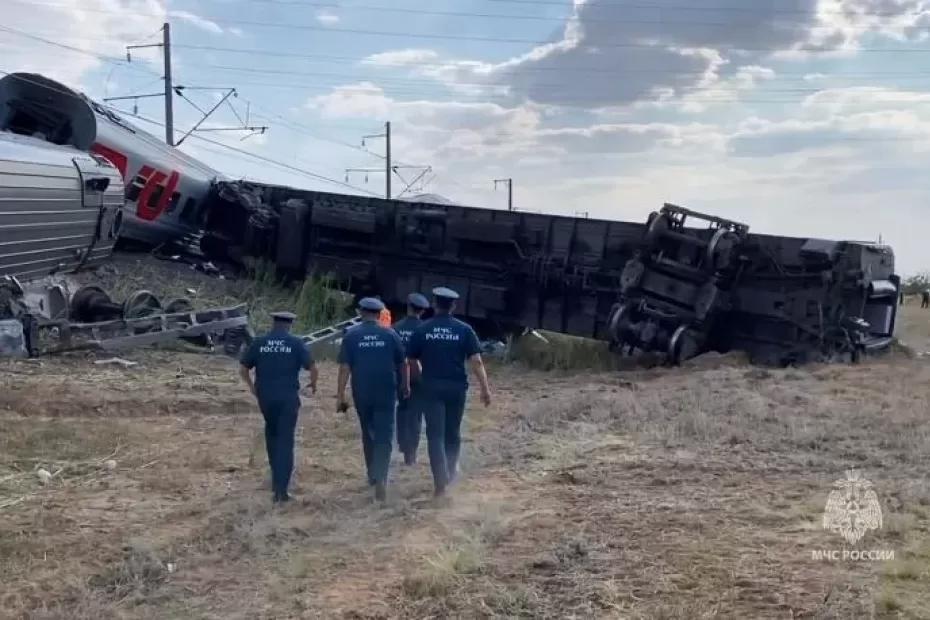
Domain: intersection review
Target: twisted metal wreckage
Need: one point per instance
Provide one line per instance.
(681, 284)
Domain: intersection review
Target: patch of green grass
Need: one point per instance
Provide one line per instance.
(317, 300)
(562, 352)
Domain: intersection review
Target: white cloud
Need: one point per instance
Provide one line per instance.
(196, 21)
(612, 55)
(395, 58)
(860, 98)
(106, 31)
(363, 100)
(327, 18)
(476, 130)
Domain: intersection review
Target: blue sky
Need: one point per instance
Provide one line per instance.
(803, 117)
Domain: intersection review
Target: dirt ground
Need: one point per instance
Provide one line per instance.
(695, 492)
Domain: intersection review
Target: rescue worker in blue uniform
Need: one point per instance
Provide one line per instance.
(441, 346)
(410, 410)
(277, 358)
(373, 356)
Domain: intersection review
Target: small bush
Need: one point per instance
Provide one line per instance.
(140, 570)
(443, 571)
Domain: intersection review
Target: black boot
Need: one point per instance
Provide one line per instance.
(381, 492)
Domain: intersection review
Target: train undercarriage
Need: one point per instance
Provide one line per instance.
(681, 284)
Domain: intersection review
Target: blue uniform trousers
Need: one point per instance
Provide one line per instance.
(280, 421)
(410, 422)
(444, 406)
(376, 420)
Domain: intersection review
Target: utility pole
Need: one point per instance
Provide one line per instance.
(169, 92)
(509, 183)
(387, 160)
(169, 102)
(390, 168)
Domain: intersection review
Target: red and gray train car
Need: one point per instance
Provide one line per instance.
(165, 189)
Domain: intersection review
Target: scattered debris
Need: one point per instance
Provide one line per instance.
(536, 334)
(118, 361)
(48, 319)
(12, 339)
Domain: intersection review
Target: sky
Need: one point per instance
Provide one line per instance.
(808, 118)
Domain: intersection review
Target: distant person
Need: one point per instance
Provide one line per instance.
(384, 317)
(410, 410)
(277, 358)
(373, 357)
(441, 346)
(925, 299)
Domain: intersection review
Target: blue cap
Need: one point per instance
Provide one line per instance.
(284, 316)
(445, 293)
(371, 304)
(418, 301)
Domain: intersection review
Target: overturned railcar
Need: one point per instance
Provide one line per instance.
(681, 284)
(60, 208)
(164, 187)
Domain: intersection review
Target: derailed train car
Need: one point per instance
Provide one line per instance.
(164, 187)
(681, 284)
(60, 209)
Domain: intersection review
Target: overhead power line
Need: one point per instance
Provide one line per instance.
(439, 89)
(366, 61)
(256, 156)
(718, 94)
(621, 4)
(450, 37)
(570, 69)
(670, 12)
(280, 164)
(575, 82)
(283, 54)
(108, 59)
(121, 63)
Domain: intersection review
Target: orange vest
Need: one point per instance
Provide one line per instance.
(384, 319)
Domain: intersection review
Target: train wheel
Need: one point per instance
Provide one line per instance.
(684, 344)
(140, 305)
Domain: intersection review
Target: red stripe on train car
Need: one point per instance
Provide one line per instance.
(116, 158)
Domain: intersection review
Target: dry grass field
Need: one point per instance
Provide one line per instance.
(695, 492)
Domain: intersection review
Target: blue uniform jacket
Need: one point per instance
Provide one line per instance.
(277, 358)
(442, 345)
(374, 355)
